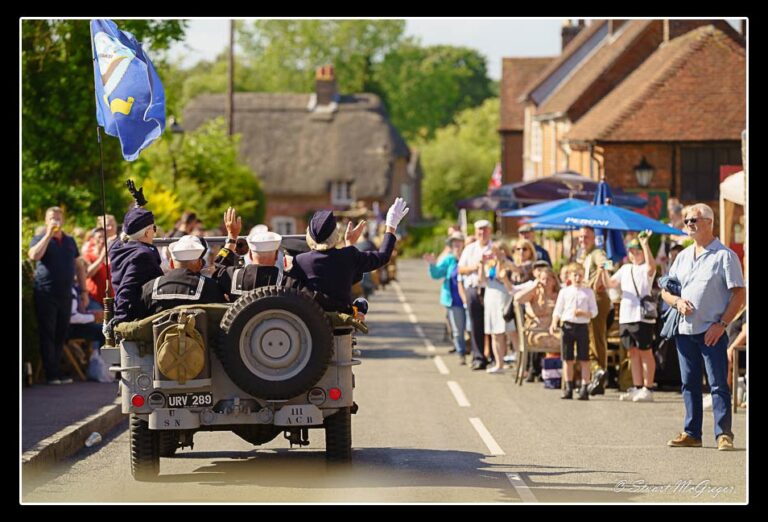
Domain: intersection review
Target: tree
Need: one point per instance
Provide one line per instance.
(459, 161)
(60, 155)
(424, 87)
(283, 54)
(208, 178)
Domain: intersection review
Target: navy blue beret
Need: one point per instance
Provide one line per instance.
(136, 219)
(322, 225)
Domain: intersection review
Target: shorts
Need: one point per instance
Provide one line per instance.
(636, 335)
(575, 333)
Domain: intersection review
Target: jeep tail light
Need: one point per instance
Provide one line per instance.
(137, 401)
(334, 394)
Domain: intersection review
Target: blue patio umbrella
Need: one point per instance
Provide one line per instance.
(609, 217)
(548, 207)
(613, 240)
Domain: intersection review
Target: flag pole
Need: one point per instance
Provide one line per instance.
(109, 307)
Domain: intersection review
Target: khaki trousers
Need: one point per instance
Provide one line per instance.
(598, 332)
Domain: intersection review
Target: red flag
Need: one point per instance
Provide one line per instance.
(495, 181)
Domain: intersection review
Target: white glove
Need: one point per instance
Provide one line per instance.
(396, 212)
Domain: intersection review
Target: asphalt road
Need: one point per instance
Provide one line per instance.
(429, 430)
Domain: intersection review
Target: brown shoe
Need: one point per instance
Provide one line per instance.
(725, 443)
(683, 440)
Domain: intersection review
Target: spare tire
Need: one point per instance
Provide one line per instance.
(275, 342)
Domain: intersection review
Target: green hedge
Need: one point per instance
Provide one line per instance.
(424, 238)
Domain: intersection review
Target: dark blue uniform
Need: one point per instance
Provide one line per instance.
(179, 286)
(53, 300)
(133, 264)
(334, 271)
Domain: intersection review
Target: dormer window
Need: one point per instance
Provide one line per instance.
(341, 193)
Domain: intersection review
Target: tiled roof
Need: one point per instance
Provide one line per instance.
(612, 57)
(516, 75)
(570, 49)
(692, 88)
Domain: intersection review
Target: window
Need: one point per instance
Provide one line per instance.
(536, 142)
(284, 225)
(341, 193)
(700, 170)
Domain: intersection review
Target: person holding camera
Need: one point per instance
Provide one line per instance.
(56, 254)
(637, 315)
(495, 273)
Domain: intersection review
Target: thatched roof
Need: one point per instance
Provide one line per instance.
(295, 151)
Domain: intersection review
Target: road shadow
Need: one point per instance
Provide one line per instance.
(373, 468)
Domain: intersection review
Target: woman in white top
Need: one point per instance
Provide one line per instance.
(636, 280)
(495, 272)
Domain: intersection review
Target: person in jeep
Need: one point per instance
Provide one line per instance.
(183, 284)
(263, 247)
(134, 260)
(332, 271)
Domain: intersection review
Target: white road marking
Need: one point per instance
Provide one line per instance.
(522, 489)
(441, 367)
(408, 309)
(398, 291)
(458, 394)
(490, 442)
(419, 331)
(429, 345)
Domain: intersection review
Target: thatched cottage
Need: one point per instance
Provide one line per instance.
(317, 150)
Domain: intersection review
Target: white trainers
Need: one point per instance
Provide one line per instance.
(495, 370)
(707, 402)
(510, 357)
(643, 395)
(629, 395)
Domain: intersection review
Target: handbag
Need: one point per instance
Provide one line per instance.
(648, 305)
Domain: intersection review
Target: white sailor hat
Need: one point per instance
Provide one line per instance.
(187, 248)
(482, 223)
(264, 241)
(258, 229)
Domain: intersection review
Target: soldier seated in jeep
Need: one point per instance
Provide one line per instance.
(183, 284)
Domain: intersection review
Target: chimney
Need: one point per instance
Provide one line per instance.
(570, 30)
(325, 85)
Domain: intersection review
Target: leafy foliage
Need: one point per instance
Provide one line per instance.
(208, 177)
(424, 87)
(459, 161)
(60, 154)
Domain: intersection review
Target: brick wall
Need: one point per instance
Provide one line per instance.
(296, 207)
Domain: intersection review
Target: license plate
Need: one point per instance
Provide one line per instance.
(298, 415)
(190, 400)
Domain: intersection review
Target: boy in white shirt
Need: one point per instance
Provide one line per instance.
(576, 306)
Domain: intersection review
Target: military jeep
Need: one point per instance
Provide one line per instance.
(271, 362)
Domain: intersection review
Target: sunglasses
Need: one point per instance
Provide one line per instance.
(693, 221)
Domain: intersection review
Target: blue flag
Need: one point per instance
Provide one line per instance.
(130, 100)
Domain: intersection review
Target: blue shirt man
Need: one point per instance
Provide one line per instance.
(712, 293)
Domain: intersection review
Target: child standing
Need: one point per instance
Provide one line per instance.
(576, 306)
